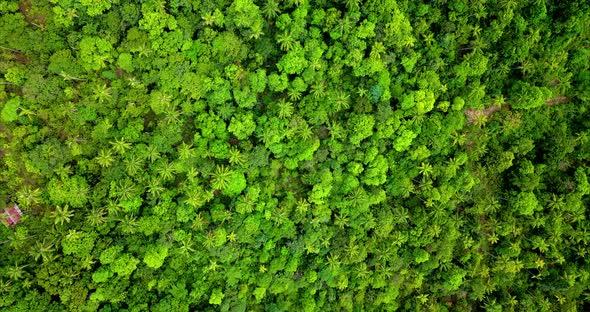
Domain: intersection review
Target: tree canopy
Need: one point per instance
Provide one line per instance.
(285, 155)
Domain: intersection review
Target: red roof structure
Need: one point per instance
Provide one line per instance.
(12, 215)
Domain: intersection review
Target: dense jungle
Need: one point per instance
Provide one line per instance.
(294, 155)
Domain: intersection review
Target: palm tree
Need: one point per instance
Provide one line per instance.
(286, 41)
(409, 41)
(129, 224)
(285, 109)
(352, 250)
(172, 116)
(187, 246)
(315, 63)
(352, 5)
(120, 146)
(280, 216)
(271, 9)
(358, 197)
(185, 151)
(213, 266)
(318, 90)
(268, 136)
(426, 169)
(221, 177)
(255, 33)
(195, 199)
(209, 239)
(304, 131)
(459, 138)
(296, 3)
(453, 164)
(556, 203)
(492, 206)
(42, 250)
(155, 187)
(28, 197)
(63, 171)
(341, 102)
(133, 165)
(15, 272)
(208, 19)
(245, 205)
(5, 286)
(236, 157)
(87, 262)
(336, 130)
(62, 214)
(166, 171)
(311, 248)
(105, 158)
(191, 174)
(402, 215)
(342, 220)
(362, 272)
(96, 217)
(232, 237)
(527, 67)
(334, 261)
(134, 82)
(226, 110)
(499, 100)
(493, 239)
(113, 208)
(152, 153)
(125, 189)
(101, 93)
(294, 95)
(503, 69)
(226, 216)
(302, 206)
(199, 223)
(361, 91)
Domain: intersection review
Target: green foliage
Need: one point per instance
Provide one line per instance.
(94, 8)
(78, 244)
(527, 96)
(216, 297)
(124, 265)
(95, 52)
(293, 62)
(526, 203)
(361, 127)
(404, 140)
(236, 184)
(102, 275)
(10, 110)
(294, 155)
(110, 254)
(155, 256)
(125, 61)
(15, 75)
(242, 126)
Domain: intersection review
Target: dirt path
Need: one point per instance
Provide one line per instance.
(475, 114)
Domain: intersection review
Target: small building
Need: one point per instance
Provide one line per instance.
(12, 215)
